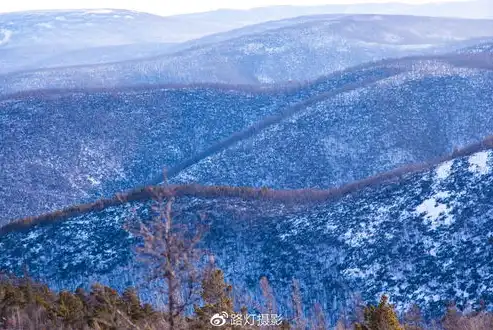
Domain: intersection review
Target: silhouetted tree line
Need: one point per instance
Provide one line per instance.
(25, 304)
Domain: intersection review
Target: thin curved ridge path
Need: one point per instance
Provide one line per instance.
(275, 119)
(247, 193)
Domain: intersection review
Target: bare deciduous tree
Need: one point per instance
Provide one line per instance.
(172, 255)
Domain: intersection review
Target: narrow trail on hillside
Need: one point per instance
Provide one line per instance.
(477, 61)
(147, 191)
(258, 127)
(307, 195)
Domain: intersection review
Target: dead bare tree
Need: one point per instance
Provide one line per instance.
(171, 253)
(299, 317)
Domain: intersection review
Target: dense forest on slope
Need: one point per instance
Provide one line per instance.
(247, 193)
(27, 304)
(119, 139)
(335, 245)
(297, 50)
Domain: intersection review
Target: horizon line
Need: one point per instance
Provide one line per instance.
(354, 2)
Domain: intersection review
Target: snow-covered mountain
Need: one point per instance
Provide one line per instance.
(424, 238)
(125, 35)
(35, 32)
(301, 49)
(61, 148)
(64, 147)
(110, 54)
(465, 9)
(81, 29)
(27, 39)
(425, 111)
(306, 48)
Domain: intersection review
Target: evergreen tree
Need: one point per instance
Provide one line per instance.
(216, 296)
(381, 317)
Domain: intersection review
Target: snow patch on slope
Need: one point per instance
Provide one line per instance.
(435, 212)
(444, 170)
(478, 163)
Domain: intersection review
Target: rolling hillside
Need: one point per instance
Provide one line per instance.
(421, 238)
(27, 39)
(60, 148)
(121, 138)
(341, 128)
(301, 49)
(427, 111)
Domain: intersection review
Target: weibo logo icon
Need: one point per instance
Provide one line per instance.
(219, 319)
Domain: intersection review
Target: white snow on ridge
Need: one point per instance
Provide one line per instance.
(478, 163)
(7, 34)
(443, 171)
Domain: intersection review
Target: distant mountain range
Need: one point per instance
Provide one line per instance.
(423, 238)
(30, 40)
(299, 49)
(464, 9)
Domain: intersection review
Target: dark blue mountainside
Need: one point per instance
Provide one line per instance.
(426, 111)
(65, 147)
(298, 50)
(62, 148)
(424, 238)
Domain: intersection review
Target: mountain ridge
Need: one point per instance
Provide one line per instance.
(101, 169)
(194, 190)
(335, 249)
(272, 56)
(465, 58)
(265, 104)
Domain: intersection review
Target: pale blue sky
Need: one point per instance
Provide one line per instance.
(171, 7)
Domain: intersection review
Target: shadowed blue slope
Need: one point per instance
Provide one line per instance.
(62, 148)
(67, 147)
(423, 239)
(411, 117)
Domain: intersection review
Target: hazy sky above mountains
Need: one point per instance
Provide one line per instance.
(170, 7)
